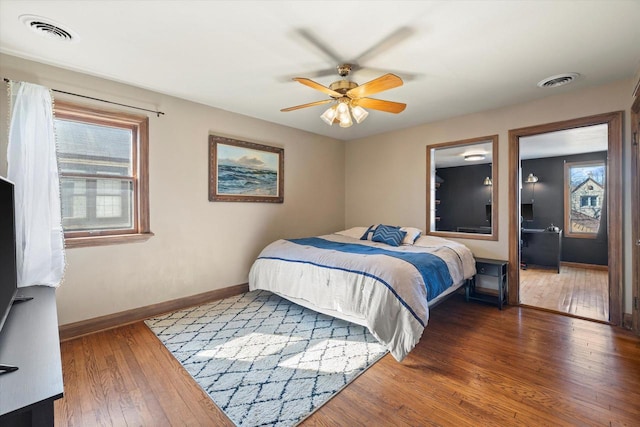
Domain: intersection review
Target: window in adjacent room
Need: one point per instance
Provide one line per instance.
(103, 160)
(584, 198)
(588, 201)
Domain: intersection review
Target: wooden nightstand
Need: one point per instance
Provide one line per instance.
(492, 272)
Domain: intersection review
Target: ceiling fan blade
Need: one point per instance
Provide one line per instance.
(388, 81)
(318, 86)
(371, 72)
(393, 39)
(381, 105)
(332, 56)
(311, 104)
(322, 73)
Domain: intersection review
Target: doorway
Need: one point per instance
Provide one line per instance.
(563, 250)
(524, 234)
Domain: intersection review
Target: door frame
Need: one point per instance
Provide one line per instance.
(635, 210)
(614, 202)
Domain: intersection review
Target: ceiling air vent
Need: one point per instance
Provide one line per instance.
(558, 80)
(48, 28)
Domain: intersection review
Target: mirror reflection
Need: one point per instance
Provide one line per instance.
(462, 177)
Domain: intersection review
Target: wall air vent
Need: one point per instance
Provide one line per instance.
(48, 28)
(558, 80)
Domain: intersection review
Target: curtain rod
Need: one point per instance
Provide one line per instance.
(157, 113)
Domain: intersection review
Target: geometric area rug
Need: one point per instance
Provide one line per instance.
(264, 360)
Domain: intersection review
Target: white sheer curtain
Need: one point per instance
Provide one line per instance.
(33, 167)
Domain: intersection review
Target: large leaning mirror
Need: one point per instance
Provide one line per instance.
(462, 182)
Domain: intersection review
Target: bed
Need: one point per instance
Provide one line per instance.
(385, 285)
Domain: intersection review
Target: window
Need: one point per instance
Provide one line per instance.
(103, 160)
(588, 200)
(584, 193)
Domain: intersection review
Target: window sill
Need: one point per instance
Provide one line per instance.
(116, 239)
(582, 236)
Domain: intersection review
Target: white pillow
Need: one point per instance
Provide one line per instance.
(411, 236)
(355, 232)
(431, 241)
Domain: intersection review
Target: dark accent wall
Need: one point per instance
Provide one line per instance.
(463, 197)
(547, 197)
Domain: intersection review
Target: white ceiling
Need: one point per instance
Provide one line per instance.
(456, 57)
(447, 157)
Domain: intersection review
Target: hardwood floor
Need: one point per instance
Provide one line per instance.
(475, 365)
(126, 377)
(582, 292)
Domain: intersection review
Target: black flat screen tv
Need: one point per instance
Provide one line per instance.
(8, 267)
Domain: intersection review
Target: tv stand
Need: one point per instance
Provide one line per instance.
(30, 339)
(5, 369)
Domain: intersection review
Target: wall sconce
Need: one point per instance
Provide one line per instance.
(487, 181)
(531, 179)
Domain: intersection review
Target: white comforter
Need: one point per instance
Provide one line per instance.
(384, 293)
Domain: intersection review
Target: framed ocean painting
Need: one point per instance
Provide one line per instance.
(241, 171)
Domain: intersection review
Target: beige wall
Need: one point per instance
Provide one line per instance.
(198, 245)
(386, 174)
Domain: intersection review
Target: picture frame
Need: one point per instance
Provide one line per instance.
(242, 171)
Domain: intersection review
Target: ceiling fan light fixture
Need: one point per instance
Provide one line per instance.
(359, 113)
(343, 115)
(346, 96)
(329, 115)
(345, 120)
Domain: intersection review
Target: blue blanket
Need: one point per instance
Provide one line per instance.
(434, 270)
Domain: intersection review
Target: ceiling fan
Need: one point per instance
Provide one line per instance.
(351, 99)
